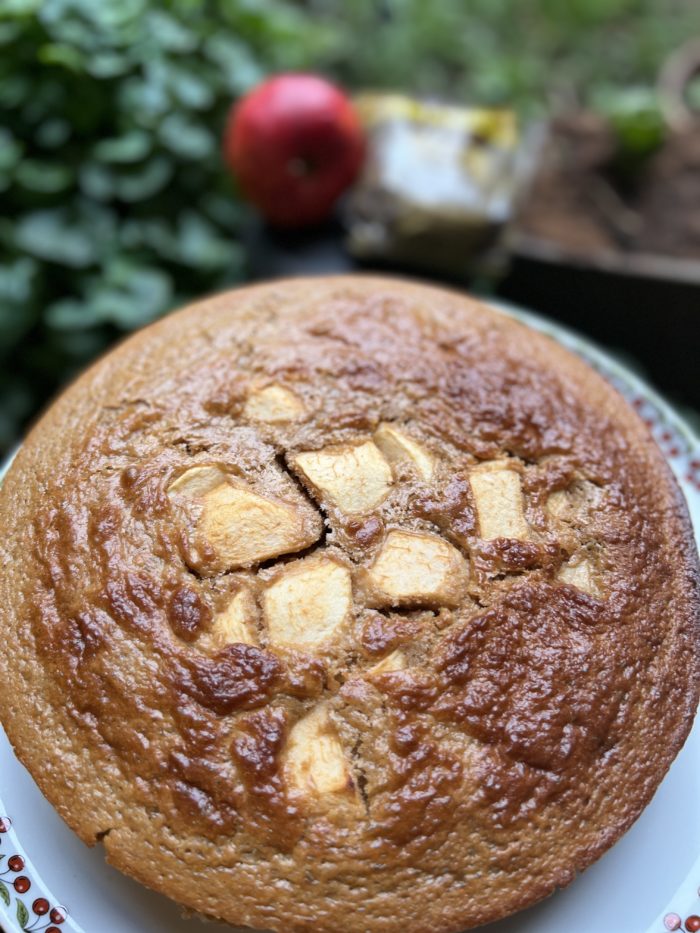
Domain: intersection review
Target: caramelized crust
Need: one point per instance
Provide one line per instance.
(353, 599)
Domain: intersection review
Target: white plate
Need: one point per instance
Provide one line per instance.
(647, 883)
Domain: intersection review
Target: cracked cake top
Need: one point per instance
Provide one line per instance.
(346, 604)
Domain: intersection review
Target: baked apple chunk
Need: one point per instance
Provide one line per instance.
(307, 602)
(235, 625)
(417, 569)
(237, 527)
(398, 447)
(273, 404)
(499, 502)
(396, 661)
(314, 761)
(354, 477)
(582, 575)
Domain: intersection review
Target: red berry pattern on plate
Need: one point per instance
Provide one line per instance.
(22, 884)
(41, 906)
(674, 921)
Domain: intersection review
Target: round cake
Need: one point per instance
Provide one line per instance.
(346, 604)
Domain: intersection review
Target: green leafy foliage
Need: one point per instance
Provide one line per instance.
(116, 205)
(533, 54)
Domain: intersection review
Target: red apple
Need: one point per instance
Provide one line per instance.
(295, 144)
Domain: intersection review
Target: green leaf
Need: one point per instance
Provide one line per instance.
(132, 147)
(52, 133)
(46, 235)
(199, 244)
(146, 100)
(225, 210)
(44, 177)
(172, 35)
(186, 139)
(111, 14)
(16, 280)
(4, 893)
(22, 914)
(10, 150)
(190, 90)
(143, 184)
(131, 294)
(67, 56)
(127, 294)
(108, 64)
(71, 315)
(97, 181)
(235, 61)
(153, 233)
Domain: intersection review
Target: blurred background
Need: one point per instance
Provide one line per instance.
(118, 204)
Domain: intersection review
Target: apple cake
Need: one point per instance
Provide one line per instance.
(346, 604)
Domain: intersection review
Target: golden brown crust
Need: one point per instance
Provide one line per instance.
(422, 751)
